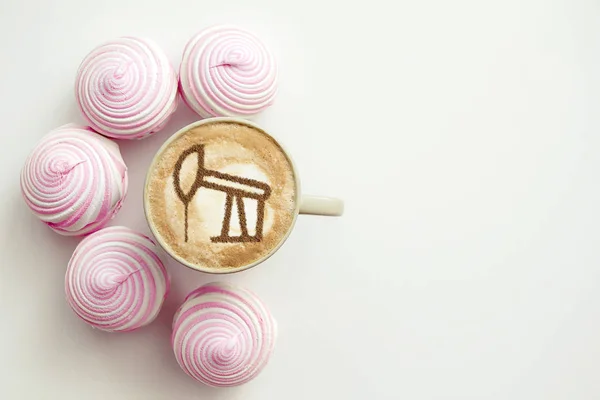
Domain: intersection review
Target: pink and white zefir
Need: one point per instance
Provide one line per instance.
(115, 281)
(227, 71)
(126, 88)
(223, 335)
(74, 180)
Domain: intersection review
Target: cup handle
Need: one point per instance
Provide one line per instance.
(318, 205)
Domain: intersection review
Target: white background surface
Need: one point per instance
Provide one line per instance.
(464, 137)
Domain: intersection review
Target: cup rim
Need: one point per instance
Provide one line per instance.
(159, 237)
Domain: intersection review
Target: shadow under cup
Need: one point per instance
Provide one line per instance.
(222, 195)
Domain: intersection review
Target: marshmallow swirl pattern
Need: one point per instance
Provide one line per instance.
(126, 88)
(227, 71)
(223, 335)
(115, 281)
(74, 180)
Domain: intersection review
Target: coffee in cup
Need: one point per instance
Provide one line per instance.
(222, 195)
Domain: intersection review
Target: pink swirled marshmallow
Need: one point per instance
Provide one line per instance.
(126, 88)
(227, 71)
(223, 335)
(115, 281)
(74, 180)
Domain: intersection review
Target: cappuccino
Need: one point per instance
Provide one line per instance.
(221, 195)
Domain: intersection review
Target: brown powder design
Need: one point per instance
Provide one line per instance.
(238, 194)
(225, 144)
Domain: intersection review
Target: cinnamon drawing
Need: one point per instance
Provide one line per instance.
(236, 189)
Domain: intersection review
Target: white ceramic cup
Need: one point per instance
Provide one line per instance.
(305, 204)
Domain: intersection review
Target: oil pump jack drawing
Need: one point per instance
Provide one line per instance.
(236, 189)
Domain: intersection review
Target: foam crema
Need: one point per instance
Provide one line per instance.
(221, 195)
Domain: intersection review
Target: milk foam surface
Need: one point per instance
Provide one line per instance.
(236, 200)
